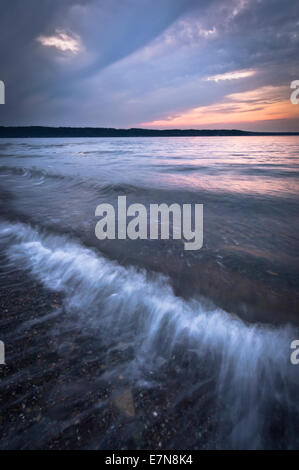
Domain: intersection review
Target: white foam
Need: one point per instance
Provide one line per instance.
(252, 361)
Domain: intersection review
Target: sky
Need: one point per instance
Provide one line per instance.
(217, 64)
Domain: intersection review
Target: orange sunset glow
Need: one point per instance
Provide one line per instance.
(263, 104)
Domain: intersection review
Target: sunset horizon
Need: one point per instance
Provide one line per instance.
(187, 64)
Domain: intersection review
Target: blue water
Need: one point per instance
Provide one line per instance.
(209, 330)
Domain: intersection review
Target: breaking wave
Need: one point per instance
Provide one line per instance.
(254, 380)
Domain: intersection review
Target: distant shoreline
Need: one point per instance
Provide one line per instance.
(46, 132)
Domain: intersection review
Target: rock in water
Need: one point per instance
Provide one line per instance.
(124, 402)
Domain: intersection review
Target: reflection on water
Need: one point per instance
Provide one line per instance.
(259, 165)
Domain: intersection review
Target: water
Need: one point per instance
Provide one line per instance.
(164, 348)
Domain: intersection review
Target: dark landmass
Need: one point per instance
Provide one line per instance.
(40, 131)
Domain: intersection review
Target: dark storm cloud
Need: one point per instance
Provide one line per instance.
(109, 30)
(22, 68)
(140, 60)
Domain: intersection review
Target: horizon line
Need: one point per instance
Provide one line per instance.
(83, 131)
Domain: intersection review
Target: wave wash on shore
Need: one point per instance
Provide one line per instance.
(248, 366)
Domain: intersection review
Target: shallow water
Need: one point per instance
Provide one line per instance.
(201, 336)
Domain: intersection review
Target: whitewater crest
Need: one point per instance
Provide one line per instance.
(250, 364)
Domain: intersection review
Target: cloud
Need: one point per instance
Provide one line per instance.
(63, 41)
(143, 61)
(263, 104)
(235, 75)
